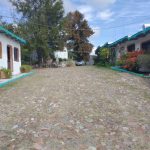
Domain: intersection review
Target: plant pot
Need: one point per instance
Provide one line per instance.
(2, 75)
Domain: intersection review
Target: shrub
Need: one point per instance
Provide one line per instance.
(129, 60)
(25, 68)
(107, 65)
(5, 73)
(120, 62)
(60, 59)
(143, 62)
(70, 63)
(103, 57)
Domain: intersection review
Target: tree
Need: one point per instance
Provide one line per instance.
(41, 25)
(103, 56)
(97, 50)
(78, 32)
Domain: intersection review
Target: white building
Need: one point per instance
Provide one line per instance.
(136, 42)
(10, 50)
(61, 54)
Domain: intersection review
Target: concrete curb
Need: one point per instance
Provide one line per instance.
(15, 79)
(126, 71)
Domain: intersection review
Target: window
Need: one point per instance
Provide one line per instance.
(0, 50)
(131, 48)
(16, 54)
(146, 47)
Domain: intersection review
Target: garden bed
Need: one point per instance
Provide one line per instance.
(130, 72)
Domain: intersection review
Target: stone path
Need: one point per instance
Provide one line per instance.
(80, 108)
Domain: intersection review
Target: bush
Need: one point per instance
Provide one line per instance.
(60, 59)
(120, 63)
(64, 59)
(106, 65)
(5, 73)
(25, 68)
(70, 63)
(103, 57)
(129, 61)
(143, 62)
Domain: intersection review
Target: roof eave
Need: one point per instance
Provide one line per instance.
(12, 35)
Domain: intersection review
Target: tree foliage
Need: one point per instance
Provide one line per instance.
(41, 25)
(103, 56)
(78, 32)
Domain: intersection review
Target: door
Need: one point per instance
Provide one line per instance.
(9, 57)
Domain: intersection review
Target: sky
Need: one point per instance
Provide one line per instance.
(109, 19)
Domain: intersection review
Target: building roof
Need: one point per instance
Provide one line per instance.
(135, 36)
(12, 35)
(139, 34)
(105, 45)
(124, 39)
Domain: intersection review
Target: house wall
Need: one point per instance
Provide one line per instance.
(138, 45)
(5, 41)
(61, 54)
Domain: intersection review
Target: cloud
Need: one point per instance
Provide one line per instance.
(88, 8)
(105, 15)
(100, 3)
(87, 11)
(69, 6)
(97, 31)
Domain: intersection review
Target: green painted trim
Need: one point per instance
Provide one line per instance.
(119, 41)
(139, 34)
(105, 45)
(12, 35)
(15, 79)
(126, 71)
(133, 37)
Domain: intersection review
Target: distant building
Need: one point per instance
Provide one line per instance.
(61, 54)
(10, 50)
(138, 41)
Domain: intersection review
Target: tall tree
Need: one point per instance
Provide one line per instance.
(41, 24)
(78, 32)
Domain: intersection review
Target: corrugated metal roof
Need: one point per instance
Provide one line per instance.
(12, 35)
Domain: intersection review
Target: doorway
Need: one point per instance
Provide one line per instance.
(9, 58)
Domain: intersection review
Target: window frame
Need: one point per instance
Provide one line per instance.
(130, 46)
(143, 48)
(17, 53)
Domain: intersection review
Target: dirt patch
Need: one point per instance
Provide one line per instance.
(75, 108)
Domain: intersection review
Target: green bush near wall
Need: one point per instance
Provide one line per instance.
(25, 68)
(7, 73)
(143, 62)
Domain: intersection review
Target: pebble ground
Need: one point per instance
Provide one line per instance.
(77, 108)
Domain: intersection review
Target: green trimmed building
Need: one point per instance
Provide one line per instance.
(10, 50)
(136, 42)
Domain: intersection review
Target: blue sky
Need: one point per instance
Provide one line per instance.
(110, 19)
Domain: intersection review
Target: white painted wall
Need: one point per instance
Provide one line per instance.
(137, 43)
(5, 40)
(61, 54)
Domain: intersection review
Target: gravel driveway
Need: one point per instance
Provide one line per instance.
(79, 108)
